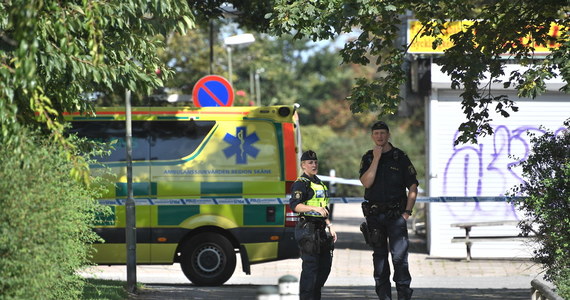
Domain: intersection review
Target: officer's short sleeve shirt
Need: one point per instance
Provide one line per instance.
(365, 162)
(409, 171)
(299, 193)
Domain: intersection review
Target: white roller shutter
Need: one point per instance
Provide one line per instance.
(483, 169)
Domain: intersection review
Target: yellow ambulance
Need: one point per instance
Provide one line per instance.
(208, 183)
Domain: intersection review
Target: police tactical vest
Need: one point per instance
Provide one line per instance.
(320, 196)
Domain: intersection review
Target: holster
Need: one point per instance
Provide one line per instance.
(327, 244)
(374, 237)
(365, 233)
(377, 237)
(312, 238)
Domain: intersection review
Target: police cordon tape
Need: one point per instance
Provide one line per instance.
(264, 201)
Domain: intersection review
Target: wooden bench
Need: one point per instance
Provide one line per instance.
(468, 240)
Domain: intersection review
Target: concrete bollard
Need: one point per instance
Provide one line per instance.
(289, 287)
(268, 292)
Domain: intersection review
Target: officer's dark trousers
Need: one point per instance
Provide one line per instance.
(316, 270)
(395, 240)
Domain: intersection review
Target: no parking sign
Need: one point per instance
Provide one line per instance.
(213, 90)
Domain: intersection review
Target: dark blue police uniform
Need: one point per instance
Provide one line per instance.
(387, 229)
(314, 243)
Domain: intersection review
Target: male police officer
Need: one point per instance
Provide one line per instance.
(386, 172)
(309, 198)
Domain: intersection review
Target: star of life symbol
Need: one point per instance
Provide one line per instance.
(241, 145)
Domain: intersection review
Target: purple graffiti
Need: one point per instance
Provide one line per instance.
(487, 168)
(466, 151)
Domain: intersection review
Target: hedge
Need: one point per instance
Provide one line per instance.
(45, 222)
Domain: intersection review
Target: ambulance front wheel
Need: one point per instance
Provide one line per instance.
(208, 259)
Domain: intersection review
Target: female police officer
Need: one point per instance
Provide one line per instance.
(309, 198)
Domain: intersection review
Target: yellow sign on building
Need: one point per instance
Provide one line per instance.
(424, 44)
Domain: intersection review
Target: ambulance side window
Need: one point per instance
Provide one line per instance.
(177, 139)
(108, 131)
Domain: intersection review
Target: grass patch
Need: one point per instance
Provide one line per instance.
(96, 289)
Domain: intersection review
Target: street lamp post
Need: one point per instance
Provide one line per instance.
(230, 65)
(258, 86)
(240, 39)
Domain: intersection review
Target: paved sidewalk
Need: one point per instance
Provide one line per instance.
(351, 275)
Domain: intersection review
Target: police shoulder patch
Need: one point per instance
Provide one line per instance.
(412, 170)
(297, 195)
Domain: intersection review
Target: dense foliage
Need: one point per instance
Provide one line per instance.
(56, 54)
(45, 222)
(546, 203)
(500, 30)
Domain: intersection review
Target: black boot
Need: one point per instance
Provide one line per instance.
(404, 292)
(383, 290)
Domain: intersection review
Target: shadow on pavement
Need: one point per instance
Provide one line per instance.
(367, 292)
(355, 241)
(156, 292)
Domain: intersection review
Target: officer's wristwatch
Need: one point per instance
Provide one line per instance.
(408, 211)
